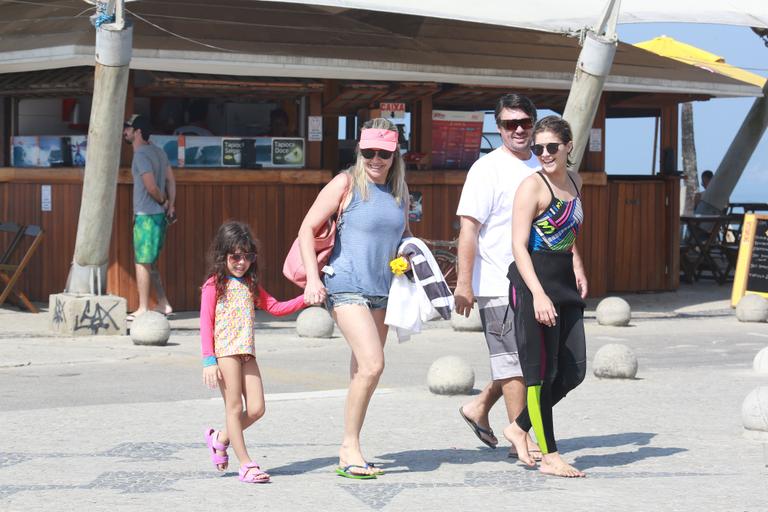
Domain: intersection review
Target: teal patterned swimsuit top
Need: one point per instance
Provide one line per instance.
(557, 226)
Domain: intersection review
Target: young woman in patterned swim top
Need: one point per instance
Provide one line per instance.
(547, 288)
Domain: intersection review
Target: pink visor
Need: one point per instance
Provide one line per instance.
(377, 138)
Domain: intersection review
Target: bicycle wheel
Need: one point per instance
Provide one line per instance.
(448, 262)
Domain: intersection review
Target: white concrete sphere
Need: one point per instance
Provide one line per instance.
(760, 363)
(752, 308)
(314, 322)
(471, 323)
(615, 361)
(754, 411)
(150, 328)
(450, 375)
(614, 311)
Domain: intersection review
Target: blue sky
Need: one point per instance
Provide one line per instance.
(629, 142)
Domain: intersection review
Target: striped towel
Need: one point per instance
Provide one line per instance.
(428, 275)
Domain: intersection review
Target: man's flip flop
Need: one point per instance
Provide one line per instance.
(478, 430)
(346, 472)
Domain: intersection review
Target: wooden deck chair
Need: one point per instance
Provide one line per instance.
(11, 272)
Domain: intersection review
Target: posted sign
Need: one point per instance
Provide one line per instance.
(752, 265)
(392, 110)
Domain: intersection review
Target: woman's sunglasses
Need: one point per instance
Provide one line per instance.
(552, 148)
(513, 124)
(370, 153)
(237, 257)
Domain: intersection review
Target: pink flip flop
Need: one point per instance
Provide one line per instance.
(252, 477)
(211, 439)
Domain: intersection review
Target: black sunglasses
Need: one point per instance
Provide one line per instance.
(552, 148)
(370, 153)
(240, 256)
(513, 124)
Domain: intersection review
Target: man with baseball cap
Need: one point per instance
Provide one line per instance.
(154, 195)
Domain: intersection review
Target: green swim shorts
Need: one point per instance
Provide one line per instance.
(148, 237)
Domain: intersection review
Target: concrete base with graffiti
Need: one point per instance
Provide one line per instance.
(87, 315)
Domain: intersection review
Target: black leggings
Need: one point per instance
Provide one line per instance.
(553, 360)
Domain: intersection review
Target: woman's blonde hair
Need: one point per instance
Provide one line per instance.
(396, 175)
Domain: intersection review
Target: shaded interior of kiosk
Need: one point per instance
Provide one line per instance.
(218, 116)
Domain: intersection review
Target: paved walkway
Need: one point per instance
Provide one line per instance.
(671, 439)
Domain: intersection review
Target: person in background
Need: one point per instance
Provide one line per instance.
(154, 198)
(196, 125)
(279, 124)
(706, 177)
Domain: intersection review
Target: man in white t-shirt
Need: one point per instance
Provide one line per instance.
(485, 253)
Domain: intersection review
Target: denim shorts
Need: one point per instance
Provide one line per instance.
(344, 298)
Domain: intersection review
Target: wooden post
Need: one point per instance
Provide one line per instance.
(94, 227)
(126, 154)
(5, 131)
(330, 128)
(315, 149)
(594, 64)
(718, 193)
(689, 158)
(422, 116)
(669, 139)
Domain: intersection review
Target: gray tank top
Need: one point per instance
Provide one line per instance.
(366, 241)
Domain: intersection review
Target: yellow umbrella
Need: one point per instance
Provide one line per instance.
(674, 49)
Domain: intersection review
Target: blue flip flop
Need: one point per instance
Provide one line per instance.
(346, 473)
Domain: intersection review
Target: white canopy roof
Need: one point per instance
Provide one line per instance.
(563, 16)
(293, 39)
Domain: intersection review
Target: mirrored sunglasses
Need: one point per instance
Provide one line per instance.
(237, 257)
(552, 148)
(370, 153)
(513, 124)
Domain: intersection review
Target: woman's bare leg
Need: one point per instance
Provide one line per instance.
(366, 333)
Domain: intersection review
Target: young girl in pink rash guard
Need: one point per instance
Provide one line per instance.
(227, 321)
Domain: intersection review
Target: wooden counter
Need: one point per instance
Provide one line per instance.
(627, 241)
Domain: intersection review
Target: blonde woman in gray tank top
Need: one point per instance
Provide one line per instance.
(355, 283)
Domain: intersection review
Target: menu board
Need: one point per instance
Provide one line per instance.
(48, 151)
(181, 150)
(456, 138)
(752, 266)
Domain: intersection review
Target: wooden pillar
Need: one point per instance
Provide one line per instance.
(669, 139)
(315, 149)
(330, 128)
(5, 131)
(126, 153)
(594, 161)
(351, 128)
(421, 123)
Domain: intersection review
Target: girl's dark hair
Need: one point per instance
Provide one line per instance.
(233, 237)
(559, 127)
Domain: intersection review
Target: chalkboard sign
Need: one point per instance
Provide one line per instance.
(752, 266)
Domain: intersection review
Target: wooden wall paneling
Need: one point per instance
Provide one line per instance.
(592, 242)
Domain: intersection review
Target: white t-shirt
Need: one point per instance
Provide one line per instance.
(487, 196)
